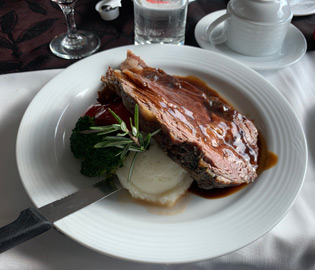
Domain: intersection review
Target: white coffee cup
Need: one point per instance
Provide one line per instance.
(253, 27)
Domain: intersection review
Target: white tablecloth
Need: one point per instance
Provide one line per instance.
(290, 245)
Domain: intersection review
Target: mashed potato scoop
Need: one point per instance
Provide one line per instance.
(156, 178)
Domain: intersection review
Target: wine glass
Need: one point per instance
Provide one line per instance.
(74, 44)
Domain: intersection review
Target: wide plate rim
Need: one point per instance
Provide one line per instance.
(62, 225)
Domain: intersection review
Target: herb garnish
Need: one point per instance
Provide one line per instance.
(127, 140)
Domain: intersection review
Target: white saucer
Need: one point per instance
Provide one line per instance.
(294, 46)
(302, 7)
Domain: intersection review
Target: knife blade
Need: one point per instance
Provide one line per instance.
(32, 222)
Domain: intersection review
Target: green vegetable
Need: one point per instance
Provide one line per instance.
(128, 141)
(102, 154)
(95, 161)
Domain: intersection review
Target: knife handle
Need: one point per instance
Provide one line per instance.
(29, 224)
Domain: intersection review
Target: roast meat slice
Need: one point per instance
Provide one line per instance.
(215, 143)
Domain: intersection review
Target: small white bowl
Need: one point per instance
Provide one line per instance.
(106, 12)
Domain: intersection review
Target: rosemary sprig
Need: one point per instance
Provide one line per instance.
(128, 140)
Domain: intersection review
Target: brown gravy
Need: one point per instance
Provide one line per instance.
(214, 193)
(266, 159)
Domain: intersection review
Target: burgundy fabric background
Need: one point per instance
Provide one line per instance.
(27, 27)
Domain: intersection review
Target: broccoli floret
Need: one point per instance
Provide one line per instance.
(82, 144)
(103, 161)
(95, 161)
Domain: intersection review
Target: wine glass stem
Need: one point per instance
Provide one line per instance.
(73, 44)
(72, 41)
(68, 11)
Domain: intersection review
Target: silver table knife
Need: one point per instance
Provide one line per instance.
(32, 222)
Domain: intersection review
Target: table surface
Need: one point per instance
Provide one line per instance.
(26, 28)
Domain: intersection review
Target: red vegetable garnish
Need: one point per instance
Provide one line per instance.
(103, 117)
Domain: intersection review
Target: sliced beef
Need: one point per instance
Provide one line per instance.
(199, 130)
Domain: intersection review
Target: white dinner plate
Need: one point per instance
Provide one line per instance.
(294, 46)
(302, 7)
(197, 228)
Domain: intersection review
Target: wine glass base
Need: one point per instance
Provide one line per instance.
(91, 45)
